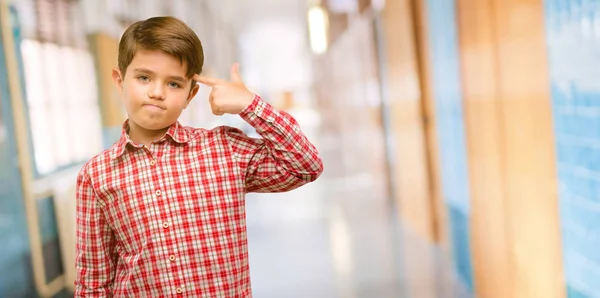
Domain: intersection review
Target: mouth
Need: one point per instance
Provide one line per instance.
(153, 106)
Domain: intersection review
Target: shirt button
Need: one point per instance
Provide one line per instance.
(152, 162)
(172, 258)
(165, 225)
(158, 192)
(179, 290)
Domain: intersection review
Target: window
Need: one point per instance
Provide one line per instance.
(61, 91)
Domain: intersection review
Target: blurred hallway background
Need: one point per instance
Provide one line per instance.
(460, 140)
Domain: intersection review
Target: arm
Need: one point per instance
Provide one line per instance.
(283, 159)
(94, 244)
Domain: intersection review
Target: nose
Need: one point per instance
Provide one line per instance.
(157, 91)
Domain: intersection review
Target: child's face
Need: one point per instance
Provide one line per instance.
(155, 89)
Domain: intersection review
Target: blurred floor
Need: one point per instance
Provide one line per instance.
(338, 237)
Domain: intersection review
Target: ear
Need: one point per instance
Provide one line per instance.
(193, 92)
(117, 78)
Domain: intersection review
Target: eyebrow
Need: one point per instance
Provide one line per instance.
(176, 78)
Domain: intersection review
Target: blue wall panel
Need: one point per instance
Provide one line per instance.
(573, 38)
(16, 276)
(444, 57)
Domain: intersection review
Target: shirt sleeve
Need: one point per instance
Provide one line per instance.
(95, 241)
(283, 159)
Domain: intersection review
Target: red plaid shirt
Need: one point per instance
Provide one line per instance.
(169, 220)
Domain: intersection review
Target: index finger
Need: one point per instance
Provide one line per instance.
(206, 80)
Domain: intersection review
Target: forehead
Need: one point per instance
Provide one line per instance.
(158, 62)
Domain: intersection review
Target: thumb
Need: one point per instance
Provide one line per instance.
(235, 73)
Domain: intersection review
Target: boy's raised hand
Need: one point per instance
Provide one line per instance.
(227, 97)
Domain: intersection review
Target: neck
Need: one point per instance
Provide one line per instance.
(140, 135)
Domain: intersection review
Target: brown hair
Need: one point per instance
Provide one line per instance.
(166, 34)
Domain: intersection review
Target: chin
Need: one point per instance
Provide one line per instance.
(153, 125)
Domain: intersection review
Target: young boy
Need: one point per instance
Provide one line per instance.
(162, 212)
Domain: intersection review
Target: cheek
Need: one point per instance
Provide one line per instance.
(132, 93)
(179, 99)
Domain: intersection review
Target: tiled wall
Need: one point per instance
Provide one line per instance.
(450, 127)
(573, 38)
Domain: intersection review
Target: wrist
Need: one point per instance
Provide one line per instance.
(247, 102)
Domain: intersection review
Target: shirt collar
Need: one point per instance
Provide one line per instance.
(176, 132)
